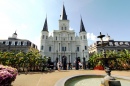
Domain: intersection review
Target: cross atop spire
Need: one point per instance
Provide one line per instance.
(82, 28)
(45, 27)
(63, 16)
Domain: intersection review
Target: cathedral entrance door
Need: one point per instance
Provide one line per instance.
(64, 62)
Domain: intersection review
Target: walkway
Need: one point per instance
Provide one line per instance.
(50, 78)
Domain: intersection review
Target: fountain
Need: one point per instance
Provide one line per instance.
(108, 79)
(93, 79)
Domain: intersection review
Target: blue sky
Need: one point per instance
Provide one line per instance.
(28, 16)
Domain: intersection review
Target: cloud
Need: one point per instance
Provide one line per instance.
(71, 28)
(91, 36)
(51, 33)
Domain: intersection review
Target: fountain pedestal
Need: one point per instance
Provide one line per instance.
(108, 80)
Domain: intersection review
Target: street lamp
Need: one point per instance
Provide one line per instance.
(108, 78)
(83, 53)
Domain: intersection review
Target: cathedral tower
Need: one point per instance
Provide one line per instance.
(83, 40)
(63, 22)
(44, 36)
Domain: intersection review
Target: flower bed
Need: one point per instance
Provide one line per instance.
(7, 75)
(99, 67)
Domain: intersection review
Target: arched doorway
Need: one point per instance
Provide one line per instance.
(64, 62)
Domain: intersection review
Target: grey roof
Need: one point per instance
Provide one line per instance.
(45, 27)
(63, 15)
(82, 28)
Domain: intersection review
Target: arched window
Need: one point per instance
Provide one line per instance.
(56, 37)
(62, 48)
(50, 48)
(41, 47)
(65, 28)
(46, 37)
(43, 37)
(62, 28)
(16, 43)
(77, 48)
(84, 37)
(65, 48)
(71, 38)
(85, 47)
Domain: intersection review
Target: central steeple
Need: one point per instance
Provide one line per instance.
(45, 27)
(63, 16)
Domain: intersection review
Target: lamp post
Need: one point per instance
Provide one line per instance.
(108, 78)
(83, 53)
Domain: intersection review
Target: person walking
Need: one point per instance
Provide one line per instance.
(58, 66)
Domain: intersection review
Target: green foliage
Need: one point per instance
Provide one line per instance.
(21, 59)
(122, 58)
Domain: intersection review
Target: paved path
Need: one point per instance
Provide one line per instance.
(50, 78)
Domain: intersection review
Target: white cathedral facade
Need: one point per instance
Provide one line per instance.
(64, 42)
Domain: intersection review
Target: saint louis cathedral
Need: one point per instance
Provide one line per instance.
(64, 42)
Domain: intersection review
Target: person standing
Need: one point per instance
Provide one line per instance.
(58, 66)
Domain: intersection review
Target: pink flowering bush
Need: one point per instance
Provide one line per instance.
(7, 75)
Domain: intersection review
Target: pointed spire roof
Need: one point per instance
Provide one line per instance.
(82, 28)
(63, 16)
(45, 27)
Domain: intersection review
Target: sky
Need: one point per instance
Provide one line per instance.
(27, 18)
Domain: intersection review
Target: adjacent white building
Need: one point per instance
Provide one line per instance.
(15, 44)
(64, 42)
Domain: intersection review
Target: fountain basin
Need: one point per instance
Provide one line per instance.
(89, 80)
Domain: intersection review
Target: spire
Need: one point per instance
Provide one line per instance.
(82, 29)
(45, 28)
(63, 16)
